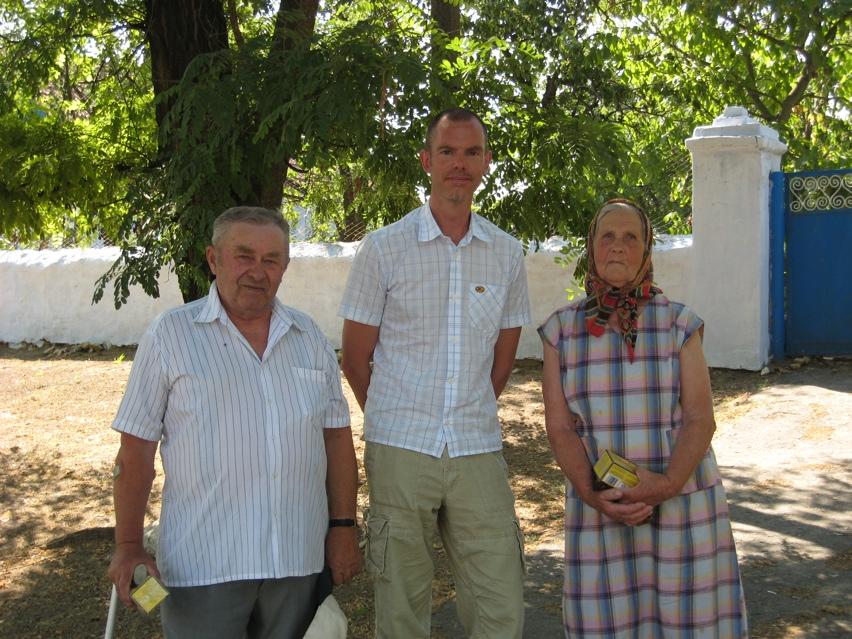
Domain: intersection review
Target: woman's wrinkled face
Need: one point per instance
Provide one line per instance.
(619, 246)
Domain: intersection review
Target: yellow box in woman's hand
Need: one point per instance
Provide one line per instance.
(614, 471)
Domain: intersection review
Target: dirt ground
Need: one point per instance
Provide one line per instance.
(784, 442)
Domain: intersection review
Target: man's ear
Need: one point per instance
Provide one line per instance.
(488, 158)
(211, 259)
(426, 161)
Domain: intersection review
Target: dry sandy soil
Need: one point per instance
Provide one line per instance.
(784, 443)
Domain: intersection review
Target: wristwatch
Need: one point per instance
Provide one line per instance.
(341, 523)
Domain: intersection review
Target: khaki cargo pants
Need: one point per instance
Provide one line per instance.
(470, 501)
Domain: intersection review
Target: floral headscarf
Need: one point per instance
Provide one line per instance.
(603, 299)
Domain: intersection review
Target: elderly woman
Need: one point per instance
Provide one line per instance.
(624, 371)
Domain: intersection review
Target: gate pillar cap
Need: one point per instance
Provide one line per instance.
(735, 122)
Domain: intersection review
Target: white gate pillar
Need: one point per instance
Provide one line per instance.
(731, 161)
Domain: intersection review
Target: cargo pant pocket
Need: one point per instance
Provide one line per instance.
(378, 530)
(519, 534)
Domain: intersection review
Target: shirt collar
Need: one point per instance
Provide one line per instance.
(282, 317)
(212, 309)
(428, 229)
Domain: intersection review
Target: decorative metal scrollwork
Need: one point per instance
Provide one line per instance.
(820, 192)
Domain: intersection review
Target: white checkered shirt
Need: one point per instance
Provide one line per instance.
(440, 307)
(241, 441)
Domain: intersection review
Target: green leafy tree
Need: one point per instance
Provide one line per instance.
(552, 98)
(787, 61)
(143, 119)
(73, 118)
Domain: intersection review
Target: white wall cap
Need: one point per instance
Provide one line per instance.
(662, 242)
(299, 250)
(709, 143)
(735, 121)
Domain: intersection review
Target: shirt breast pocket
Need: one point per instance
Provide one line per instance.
(485, 306)
(307, 392)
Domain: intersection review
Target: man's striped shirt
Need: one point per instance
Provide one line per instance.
(241, 441)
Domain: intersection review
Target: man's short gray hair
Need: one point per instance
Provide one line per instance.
(250, 215)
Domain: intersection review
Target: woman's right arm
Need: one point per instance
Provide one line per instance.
(570, 453)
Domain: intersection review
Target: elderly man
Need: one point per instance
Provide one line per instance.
(244, 395)
(437, 301)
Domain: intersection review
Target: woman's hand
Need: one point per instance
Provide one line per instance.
(610, 503)
(653, 489)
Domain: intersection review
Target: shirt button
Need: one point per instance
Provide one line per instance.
(451, 380)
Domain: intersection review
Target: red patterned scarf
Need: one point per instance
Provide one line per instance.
(603, 299)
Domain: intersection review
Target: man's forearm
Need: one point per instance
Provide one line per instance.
(359, 341)
(358, 375)
(342, 473)
(504, 358)
(131, 501)
(134, 476)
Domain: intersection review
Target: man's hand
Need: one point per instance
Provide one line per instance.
(125, 558)
(342, 553)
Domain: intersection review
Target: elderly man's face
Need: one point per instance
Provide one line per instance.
(249, 263)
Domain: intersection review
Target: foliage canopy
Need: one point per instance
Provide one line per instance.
(116, 123)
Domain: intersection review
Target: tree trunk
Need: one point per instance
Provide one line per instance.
(353, 227)
(293, 25)
(177, 32)
(447, 17)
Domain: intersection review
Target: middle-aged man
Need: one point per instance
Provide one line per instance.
(260, 486)
(437, 301)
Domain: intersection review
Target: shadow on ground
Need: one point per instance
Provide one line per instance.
(542, 599)
(71, 569)
(795, 548)
(29, 521)
(793, 528)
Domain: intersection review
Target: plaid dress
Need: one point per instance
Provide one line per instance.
(676, 576)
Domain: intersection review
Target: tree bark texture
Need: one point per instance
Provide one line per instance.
(353, 227)
(447, 17)
(294, 23)
(177, 32)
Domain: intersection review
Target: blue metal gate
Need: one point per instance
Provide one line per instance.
(811, 272)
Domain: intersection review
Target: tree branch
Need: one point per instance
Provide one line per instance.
(795, 96)
(233, 20)
(550, 88)
(751, 88)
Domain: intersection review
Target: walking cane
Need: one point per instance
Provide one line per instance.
(150, 537)
(113, 608)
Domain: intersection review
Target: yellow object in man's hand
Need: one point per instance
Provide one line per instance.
(150, 592)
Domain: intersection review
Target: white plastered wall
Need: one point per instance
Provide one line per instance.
(723, 274)
(46, 295)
